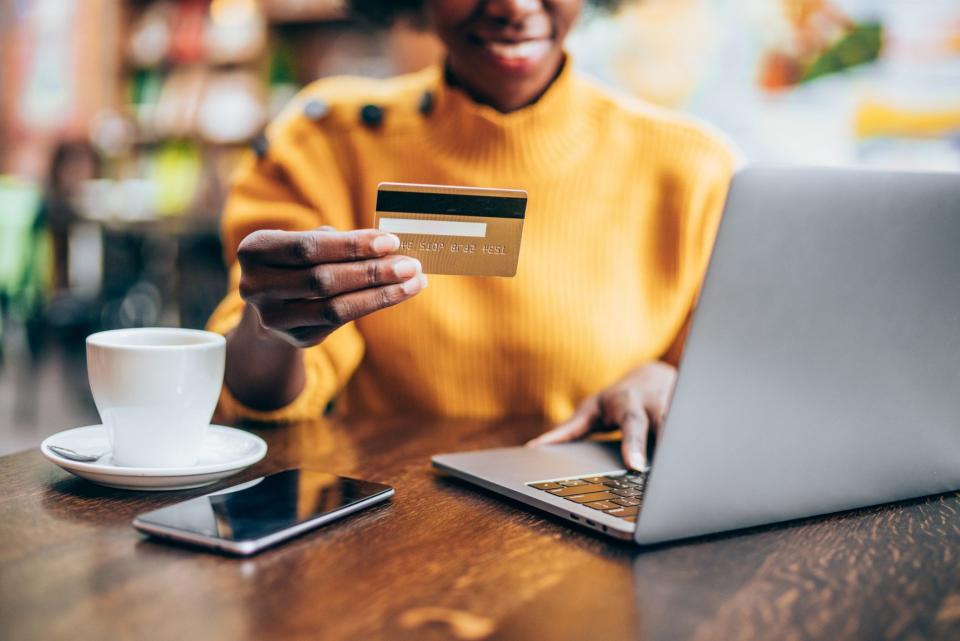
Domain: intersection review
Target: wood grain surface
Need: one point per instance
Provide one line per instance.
(446, 561)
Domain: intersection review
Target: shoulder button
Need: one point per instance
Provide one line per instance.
(316, 109)
(371, 115)
(426, 103)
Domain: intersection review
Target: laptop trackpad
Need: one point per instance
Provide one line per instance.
(521, 465)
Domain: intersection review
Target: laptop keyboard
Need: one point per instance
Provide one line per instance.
(617, 495)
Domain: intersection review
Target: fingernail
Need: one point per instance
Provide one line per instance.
(423, 281)
(406, 267)
(637, 461)
(385, 243)
(412, 286)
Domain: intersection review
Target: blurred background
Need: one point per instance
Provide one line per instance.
(121, 120)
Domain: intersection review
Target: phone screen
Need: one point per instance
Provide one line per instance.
(265, 506)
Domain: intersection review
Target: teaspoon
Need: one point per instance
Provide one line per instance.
(66, 452)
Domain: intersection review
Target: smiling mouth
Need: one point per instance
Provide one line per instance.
(526, 49)
(515, 55)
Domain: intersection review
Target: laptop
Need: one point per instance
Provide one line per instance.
(821, 372)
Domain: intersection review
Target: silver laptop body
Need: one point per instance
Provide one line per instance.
(821, 372)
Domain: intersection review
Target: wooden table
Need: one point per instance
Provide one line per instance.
(444, 561)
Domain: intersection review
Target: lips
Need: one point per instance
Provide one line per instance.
(526, 49)
(516, 55)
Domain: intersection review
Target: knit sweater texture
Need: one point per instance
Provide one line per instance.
(624, 202)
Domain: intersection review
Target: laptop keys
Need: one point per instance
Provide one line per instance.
(593, 496)
(579, 489)
(619, 496)
(595, 479)
(546, 486)
(602, 505)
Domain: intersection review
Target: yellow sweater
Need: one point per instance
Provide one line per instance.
(624, 200)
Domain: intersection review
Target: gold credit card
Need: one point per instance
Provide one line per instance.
(454, 230)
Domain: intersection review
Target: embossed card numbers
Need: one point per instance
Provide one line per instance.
(455, 230)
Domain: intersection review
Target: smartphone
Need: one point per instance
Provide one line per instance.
(249, 517)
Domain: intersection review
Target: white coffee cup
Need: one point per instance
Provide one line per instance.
(156, 390)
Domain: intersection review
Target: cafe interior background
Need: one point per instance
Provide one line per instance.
(121, 120)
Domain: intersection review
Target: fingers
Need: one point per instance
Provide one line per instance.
(625, 408)
(301, 249)
(298, 316)
(328, 280)
(661, 379)
(635, 426)
(575, 427)
(636, 405)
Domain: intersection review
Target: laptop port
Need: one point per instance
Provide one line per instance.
(589, 522)
(574, 517)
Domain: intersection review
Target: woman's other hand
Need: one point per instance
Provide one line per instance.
(304, 285)
(636, 405)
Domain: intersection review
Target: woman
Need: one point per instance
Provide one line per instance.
(624, 200)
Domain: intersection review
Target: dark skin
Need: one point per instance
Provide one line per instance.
(301, 286)
(507, 83)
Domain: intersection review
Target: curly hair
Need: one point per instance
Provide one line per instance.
(384, 12)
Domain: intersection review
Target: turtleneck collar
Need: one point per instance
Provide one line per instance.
(546, 131)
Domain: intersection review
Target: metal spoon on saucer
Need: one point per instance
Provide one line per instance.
(66, 452)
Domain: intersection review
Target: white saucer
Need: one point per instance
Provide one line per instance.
(226, 451)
